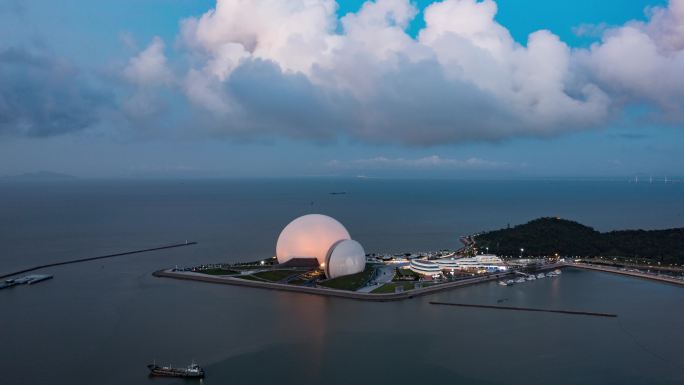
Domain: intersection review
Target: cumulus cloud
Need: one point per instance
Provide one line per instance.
(463, 77)
(296, 68)
(433, 162)
(149, 74)
(149, 67)
(41, 95)
(642, 62)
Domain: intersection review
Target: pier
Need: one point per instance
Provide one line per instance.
(587, 313)
(186, 243)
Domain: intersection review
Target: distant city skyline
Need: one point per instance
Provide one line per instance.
(391, 88)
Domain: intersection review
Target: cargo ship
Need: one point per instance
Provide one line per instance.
(192, 371)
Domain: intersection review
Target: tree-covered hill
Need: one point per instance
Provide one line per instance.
(547, 236)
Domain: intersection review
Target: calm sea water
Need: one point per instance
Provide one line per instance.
(101, 322)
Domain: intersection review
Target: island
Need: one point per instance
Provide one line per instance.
(316, 255)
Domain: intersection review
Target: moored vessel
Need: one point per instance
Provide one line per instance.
(192, 371)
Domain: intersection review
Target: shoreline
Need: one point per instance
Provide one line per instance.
(385, 297)
(191, 276)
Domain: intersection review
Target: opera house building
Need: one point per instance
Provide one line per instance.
(320, 239)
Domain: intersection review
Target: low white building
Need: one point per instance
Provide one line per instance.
(487, 262)
(425, 267)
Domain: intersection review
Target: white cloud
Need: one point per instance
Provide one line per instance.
(293, 68)
(643, 62)
(149, 67)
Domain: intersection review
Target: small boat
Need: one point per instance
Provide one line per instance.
(541, 275)
(520, 280)
(531, 277)
(192, 371)
(7, 283)
(27, 280)
(510, 282)
(557, 272)
(502, 283)
(35, 278)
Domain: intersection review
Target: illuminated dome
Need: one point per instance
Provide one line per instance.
(344, 258)
(309, 236)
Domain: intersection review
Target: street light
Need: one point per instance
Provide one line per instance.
(487, 248)
(521, 252)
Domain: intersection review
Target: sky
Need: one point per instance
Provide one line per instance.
(387, 88)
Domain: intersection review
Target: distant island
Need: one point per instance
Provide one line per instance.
(550, 236)
(38, 176)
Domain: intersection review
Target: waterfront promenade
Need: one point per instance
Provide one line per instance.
(192, 276)
(637, 274)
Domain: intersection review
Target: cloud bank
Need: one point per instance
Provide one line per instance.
(434, 162)
(41, 95)
(267, 66)
(259, 68)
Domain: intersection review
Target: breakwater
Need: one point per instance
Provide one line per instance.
(573, 312)
(5, 275)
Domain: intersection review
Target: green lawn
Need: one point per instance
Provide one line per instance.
(275, 275)
(389, 287)
(219, 271)
(405, 273)
(350, 282)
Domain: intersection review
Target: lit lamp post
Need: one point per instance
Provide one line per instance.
(521, 252)
(487, 248)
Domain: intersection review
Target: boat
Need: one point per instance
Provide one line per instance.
(557, 271)
(192, 371)
(35, 278)
(7, 283)
(27, 280)
(502, 283)
(510, 282)
(531, 277)
(541, 275)
(520, 280)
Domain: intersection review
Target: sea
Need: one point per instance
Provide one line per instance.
(102, 322)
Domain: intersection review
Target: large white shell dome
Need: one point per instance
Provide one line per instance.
(344, 258)
(309, 236)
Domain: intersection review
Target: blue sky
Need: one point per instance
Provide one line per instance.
(123, 89)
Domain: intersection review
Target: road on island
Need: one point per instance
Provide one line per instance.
(383, 275)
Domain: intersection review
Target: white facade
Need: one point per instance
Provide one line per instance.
(425, 267)
(490, 262)
(309, 236)
(344, 258)
(321, 237)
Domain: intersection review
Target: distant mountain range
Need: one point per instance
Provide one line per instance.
(548, 236)
(38, 176)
